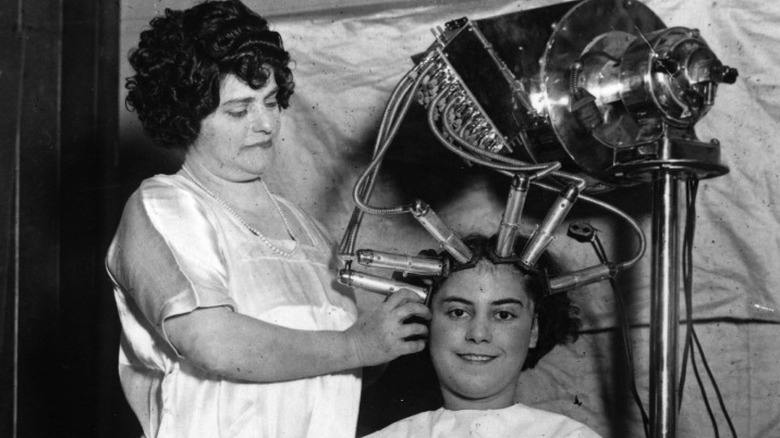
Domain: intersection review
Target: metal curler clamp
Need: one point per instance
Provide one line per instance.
(404, 263)
(441, 232)
(543, 235)
(380, 285)
(581, 277)
(510, 222)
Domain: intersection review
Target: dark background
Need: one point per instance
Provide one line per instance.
(58, 191)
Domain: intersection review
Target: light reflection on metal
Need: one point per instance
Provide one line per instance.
(377, 284)
(403, 263)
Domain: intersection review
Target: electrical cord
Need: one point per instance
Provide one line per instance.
(616, 211)
(400, 100)
(691, 336)
(364, 186)
(718, 394)
(705, 397)
(626, 335)
(687, 267)
(687, 271)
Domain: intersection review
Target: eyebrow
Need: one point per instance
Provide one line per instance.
(493, 303)
(508, 301)
(242, 100)
(245, 100)
(457, 300)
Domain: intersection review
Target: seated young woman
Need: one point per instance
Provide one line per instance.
(490, 321)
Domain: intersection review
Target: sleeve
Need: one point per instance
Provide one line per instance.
(166, 255)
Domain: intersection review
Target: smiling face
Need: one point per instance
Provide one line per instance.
(237, 142)
(481, 328)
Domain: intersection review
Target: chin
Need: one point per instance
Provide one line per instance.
(259, 164)
(473, 389)
(257, 170)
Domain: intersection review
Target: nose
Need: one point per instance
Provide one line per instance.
(479, 330)
(265, 120)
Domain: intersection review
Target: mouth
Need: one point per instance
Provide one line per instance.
(262, 144)
(476, 358)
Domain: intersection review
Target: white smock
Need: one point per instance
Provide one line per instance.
(177, 250)
(516, 421)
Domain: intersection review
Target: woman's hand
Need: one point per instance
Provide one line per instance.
(240, 347)
(392, 329)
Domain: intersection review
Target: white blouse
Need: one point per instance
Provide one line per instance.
(516, 421)
(177, 250)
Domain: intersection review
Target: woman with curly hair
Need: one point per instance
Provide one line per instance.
(232, 322)
(490, 320)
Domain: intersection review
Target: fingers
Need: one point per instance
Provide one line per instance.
(407, 312)
(397, 298)
(413, 331)
(411, 347)
(395, 328)
(406, 304)
(410, 312)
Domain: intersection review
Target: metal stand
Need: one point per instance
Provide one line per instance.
(664, 308)
(677, 159)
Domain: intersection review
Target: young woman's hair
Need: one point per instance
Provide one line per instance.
(557, 316)
(181, 60)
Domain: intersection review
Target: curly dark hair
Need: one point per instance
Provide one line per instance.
(181, 60)
(557, 316)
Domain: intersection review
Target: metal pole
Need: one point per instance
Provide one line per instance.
(664, 316)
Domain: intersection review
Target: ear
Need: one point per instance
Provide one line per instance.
(534, 334)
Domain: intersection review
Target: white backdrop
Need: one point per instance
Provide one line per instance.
(348, 60)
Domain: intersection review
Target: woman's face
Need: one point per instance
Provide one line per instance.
(238, 141)
(481, 329)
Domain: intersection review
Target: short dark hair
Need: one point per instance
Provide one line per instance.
(181, 60)
(557, 316)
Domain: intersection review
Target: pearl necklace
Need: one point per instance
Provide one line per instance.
(252, 229)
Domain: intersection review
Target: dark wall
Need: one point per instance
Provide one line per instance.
(58, 146)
